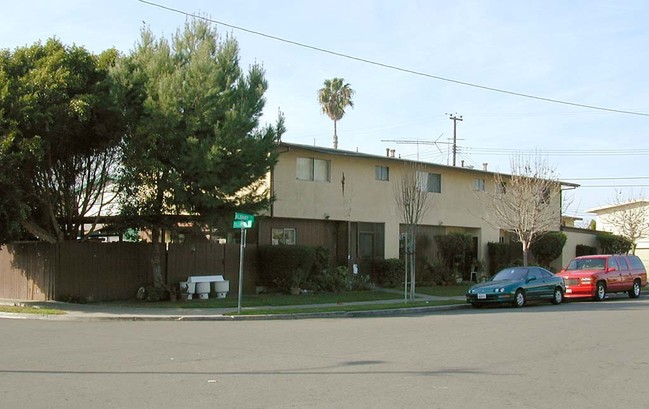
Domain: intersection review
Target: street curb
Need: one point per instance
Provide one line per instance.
(266, 317)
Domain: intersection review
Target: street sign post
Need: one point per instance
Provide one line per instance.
(244, 222)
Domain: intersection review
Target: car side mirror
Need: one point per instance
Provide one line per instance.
(530, 279)
(608, 270)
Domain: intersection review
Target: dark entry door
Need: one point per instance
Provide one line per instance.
(366, 251)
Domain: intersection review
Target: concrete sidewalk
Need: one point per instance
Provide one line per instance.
(107, 312)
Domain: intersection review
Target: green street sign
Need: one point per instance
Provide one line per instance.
(242, 224)
(244, 216)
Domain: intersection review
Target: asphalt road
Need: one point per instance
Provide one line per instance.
(576, 355)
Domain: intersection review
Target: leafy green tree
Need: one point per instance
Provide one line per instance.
(548, 247)
(334, 97)
(195, 146)
(60, 126)
(614, 244)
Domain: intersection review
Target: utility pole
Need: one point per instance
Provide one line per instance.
(454, 118)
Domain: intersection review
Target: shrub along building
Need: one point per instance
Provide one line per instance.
(345, 201)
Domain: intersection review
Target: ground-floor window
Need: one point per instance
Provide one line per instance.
(283, 236)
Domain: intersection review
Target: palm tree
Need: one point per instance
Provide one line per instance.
(334, 97)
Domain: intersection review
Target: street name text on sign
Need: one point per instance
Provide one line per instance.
(242, 224)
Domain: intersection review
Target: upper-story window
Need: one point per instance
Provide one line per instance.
(318, 170)
(429, 182)
(382, 172)
(479, 185)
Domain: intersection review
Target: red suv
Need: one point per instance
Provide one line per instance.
(594, 276)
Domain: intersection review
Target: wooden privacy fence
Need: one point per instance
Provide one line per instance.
(112, 271)
(27, 271)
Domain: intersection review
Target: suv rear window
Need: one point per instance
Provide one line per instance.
(636, 263)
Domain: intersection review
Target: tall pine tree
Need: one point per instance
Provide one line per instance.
(195, 145)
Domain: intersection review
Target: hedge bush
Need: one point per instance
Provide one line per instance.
(548, 247)
(284, 267)
(585, 250)
(388, 273)
(503, 255)
(613, 244)
(456, 252)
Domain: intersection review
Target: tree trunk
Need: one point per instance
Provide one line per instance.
(335, 136)
(405, 268)
(526, 251)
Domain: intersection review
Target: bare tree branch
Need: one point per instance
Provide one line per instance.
(527, 203)
(414, 202)
(630, 219)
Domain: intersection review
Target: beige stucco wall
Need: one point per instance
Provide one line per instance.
(354, 194)
(574, 237)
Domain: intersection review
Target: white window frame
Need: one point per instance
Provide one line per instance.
(429, 182)
(382, 173)
(313, 169)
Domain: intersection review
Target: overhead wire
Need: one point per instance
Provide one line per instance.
(394, 67)
(561, 152)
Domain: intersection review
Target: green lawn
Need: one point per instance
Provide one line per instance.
(278, 300)
(445, 291)
(231, 300)
(30, 310)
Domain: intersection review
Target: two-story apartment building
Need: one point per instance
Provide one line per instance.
(345, 201)
(630, 218)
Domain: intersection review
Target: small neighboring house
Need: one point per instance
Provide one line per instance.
(636, 211)
(344, 200)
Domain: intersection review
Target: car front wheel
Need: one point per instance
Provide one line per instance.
(635, 291)
(557, 297)
(600, 291)
(519, 298)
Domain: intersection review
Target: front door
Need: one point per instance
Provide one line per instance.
(365, 251)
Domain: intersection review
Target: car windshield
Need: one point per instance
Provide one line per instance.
(510, 274)
(587, 264)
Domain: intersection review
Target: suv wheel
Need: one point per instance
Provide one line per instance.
(635, 291)
(600, 291)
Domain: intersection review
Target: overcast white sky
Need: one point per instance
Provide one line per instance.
(585, 52)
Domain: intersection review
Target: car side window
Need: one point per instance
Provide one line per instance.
(613, 264)
(635, 263)
(545, 274)
(534, 273)
(621, 262)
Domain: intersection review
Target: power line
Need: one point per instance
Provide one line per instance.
(562, 152)
(609, 186)
(609, 178)
(394, 67)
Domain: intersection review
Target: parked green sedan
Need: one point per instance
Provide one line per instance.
(516, 286)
